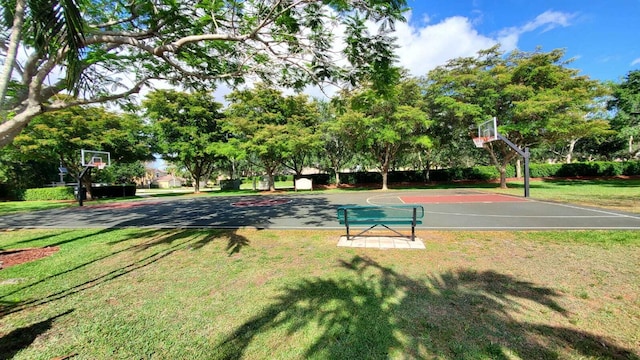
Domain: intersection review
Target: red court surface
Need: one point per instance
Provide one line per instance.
(458, 199)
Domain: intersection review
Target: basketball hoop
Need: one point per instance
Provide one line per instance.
(479, 141)
(100, 165)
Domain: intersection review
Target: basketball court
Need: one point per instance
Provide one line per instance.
(455, 209)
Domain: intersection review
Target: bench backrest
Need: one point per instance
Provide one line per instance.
(373, 213)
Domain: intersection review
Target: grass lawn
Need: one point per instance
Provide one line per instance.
(7, 207)
(256, 294)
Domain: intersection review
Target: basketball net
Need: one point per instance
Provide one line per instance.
(100, 165)
(479, 141)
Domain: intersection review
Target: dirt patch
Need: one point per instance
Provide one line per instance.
(20, 256)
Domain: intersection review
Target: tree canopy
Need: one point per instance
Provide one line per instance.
(128, 44)
(188, 129)
(275, 129)
(626, 102)
(534, 96)
(57, 138)
(381, 125)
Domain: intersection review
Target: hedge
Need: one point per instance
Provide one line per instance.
(50, 193)
(485, 173)
(586, 169)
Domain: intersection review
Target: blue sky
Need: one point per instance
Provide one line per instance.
(602, 36)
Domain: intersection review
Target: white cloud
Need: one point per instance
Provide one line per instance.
(635, 62)
(422, 48)
(546, 21)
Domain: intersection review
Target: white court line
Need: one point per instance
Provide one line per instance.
(594, 210)
(370, 200)
(607, 214)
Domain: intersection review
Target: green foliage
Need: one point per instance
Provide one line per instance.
(534, 96)
(187, 129)
(544, 170)
(273, 129)
(596, 168)
(122, 173)
(382, 125)
(626, 104)
(56, 138)
(631, 168)
(52, 193)
(586, 169)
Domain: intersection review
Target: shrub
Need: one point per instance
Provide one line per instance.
(8, 192)
(631, 168)
(483, 173)
(595, 168)
(230, 184)
(51, 193)
(544, 170)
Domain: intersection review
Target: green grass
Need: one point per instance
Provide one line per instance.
(7, 207)
(254, 294)
(613, 194)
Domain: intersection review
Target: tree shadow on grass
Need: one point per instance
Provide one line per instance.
(159, 245)
(377, 313)
(21, 338)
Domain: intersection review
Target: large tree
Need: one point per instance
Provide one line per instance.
(382, 125)
(626, 104)
(129, 43)
(302, 121)
(188, 130)
(57, 138)
(534, 95)
(335, 141)
(274, 129)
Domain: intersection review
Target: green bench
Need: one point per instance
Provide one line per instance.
(388, 215)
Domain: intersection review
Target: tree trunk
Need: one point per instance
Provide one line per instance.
(12, 51)
(272, 183)
(572, 146)
(503, 176)
(337, 177)
(196, 184)
(86, 183)
(385, 174)
(518, 168)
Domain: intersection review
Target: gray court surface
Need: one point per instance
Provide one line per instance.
(444, 210)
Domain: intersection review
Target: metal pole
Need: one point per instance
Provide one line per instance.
(80, 188)
(525, 154)
(88, 168)
(526, 172)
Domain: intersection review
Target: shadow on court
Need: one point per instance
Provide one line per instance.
(454, 209)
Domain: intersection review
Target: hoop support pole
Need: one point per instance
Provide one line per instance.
(525, 154)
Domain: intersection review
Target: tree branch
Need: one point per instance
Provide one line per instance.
(134, 90)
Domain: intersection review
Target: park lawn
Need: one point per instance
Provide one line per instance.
(7, 207)
(254, 294)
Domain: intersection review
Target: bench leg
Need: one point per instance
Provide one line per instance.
(346, 222)
(413, 225)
